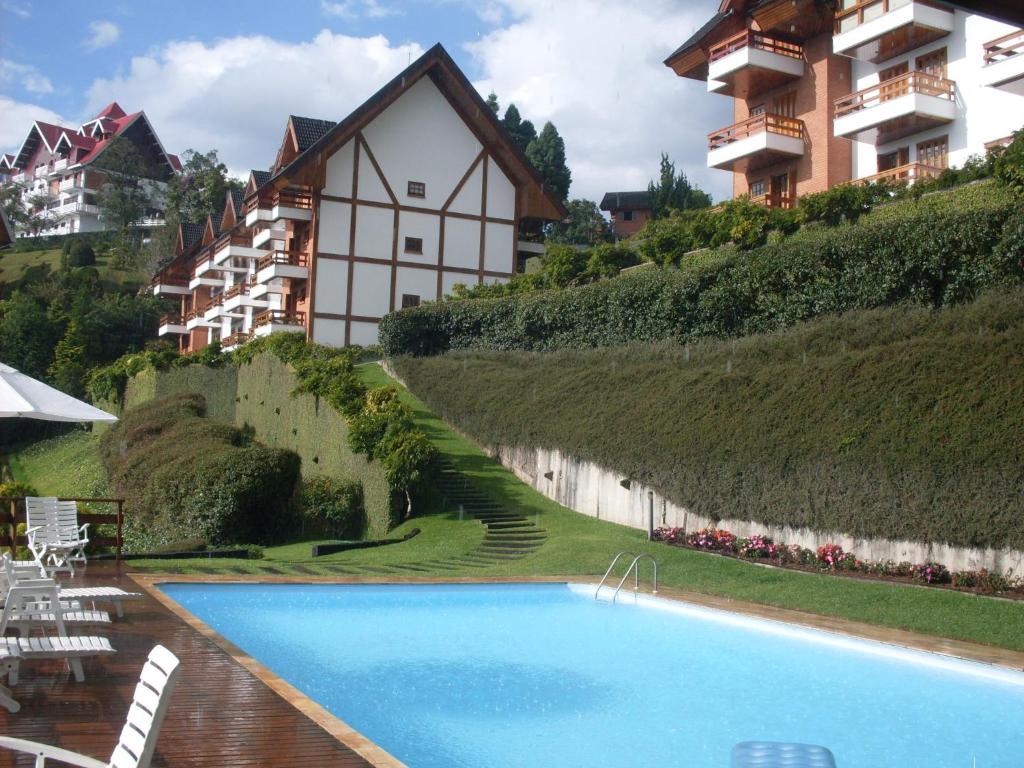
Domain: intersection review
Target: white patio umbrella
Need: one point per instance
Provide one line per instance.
(21, 395)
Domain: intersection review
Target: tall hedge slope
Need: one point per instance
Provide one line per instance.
(936, 251)
(189, 480)
(902, 423)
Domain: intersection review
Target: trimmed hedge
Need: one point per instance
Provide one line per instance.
(186, 478)
(902, 423)
(940, 250)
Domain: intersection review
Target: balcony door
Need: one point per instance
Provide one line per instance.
(891, 160)
(779, 188)
(934, 152)
(893, 90)
(933, 63)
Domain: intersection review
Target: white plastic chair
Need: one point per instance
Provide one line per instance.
(18, 571)
(70, 531)
(138, 738)
(50, 546)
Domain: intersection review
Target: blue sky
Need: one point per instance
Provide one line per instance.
(225, 75)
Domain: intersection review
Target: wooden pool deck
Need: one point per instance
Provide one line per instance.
(220, 714)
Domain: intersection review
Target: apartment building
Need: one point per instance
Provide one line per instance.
(57, 168)
(417, 190)
(830, 92)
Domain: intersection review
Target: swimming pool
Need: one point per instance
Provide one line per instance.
(510, 676)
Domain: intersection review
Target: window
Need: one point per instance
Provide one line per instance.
(627, 215)
(414, 245)
(417, 189)
(785, 104)
(757, 188)
(758, 110)
(894, 159)
(410, 300)
(892, 90)
(934, 152)
(933, 63)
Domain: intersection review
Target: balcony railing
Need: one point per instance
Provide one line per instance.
(290, 198)
(751, 39)
(910, 82)
(289, 258)
(238, 289)
(765, 122)
(235, 339)
(279, 317)
(901, 174)
(1005, 47)
(869, 10)
(262, 200)
(170, 279)
(775, 200)
(171, 319)
(193, 313)
(205, 261)
(232, 238)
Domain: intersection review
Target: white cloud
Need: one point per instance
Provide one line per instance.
(235, 94)
(27, 76)
(21, 10)
(102, 34)
(594, 68)
(354, 9)
(18, 118)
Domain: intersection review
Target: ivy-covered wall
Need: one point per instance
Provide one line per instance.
(258, 396)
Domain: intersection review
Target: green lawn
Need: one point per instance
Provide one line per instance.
(21, 267)
(62, 466)
(581, 546)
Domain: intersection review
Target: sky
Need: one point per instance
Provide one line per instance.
(226, 75)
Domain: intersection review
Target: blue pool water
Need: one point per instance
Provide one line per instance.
(510, 676)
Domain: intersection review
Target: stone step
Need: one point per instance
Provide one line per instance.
(507, 526)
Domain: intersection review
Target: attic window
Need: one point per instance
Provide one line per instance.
(414, 245)
(417, 189)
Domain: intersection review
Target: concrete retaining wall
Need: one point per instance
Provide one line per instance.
(599, 492)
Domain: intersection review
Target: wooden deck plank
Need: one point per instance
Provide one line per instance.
(219, 714)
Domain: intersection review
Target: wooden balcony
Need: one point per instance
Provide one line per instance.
(901, 174)
(1004, 63)
(755, 142)
(877, 30)
(235, 339)
(170, 284)
(750, 63)
(171, 323)
(775, 200)
(276, 320)
(291, 204)
(900, 106)
(292, 258)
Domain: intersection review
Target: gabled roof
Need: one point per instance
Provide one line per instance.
(309, 130)
(6, 161)
(442, 70)
(689, 57)
(189, 234)
(626, 201)
(257, 179)
(112, 110)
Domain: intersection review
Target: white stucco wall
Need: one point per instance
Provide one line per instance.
(983, 113)
(335, 227)
(331, 288)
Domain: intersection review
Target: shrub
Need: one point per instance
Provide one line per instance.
(332, 507)
(1008, 163)
(15, 488)
(933, 252)
(80, 254)
(930, 573)
(187, 478)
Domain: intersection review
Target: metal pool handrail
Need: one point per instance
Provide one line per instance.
(607, 573)
(636, 576)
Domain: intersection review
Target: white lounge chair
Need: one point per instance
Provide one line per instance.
(9, 658)
(33, 608)
(61, 646)
(17, 570)
(51, 546)
(138, 738)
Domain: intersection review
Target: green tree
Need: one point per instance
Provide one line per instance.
(563, 265)
(492, 102)
(27, 334)
(125, 196)
(199, 189)
(70, 366)
(673, 191)
(584, 226)
(521, 131)
(547, 153)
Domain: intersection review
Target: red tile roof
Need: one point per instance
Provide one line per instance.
(112, 110)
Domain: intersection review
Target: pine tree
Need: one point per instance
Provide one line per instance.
(70, 365)
(492, 102)
(547, 153)
(521, 131)
(674, 191)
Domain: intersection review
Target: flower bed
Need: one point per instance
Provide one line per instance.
(833, 559)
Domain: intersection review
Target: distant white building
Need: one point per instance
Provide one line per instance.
(57, 164)
(419, 189)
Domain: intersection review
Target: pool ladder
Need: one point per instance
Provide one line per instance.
(634, 568)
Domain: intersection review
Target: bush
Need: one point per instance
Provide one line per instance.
(187, 478)
(15, 489)
(78, 253)
(332, 507)
(937, 251)
(1008, 163)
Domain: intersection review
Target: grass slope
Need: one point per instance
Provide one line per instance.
(68, 465)
(579, 545)
(901, 423)
(18, 268)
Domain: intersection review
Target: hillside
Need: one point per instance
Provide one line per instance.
(898, 423)
(22, 268)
